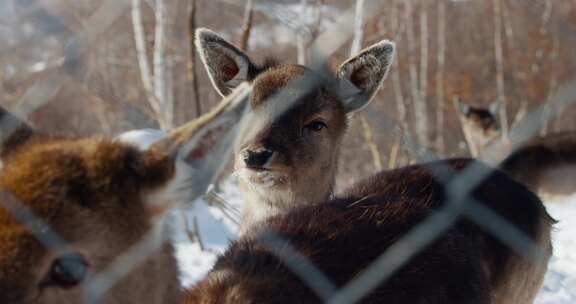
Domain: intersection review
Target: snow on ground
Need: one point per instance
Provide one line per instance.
(217, 232)
(560, 282)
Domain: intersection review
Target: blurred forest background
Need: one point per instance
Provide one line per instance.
(81, 67)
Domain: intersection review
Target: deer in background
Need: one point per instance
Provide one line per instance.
(289, 155)
(99, 197)
(479, 125)
(344, 236)
(546, 164)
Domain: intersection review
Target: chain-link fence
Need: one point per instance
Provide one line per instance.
(317, 41)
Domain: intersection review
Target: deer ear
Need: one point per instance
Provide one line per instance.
(366, 72)
(226, 65)
(13, 132)
(200, 148)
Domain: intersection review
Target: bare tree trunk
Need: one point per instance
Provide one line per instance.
(247, 25)
(161, 67)
(354, 49)
(192, 73)
(499, 57)
(413, 71)
(440, 107)
(358, 28)
(302, 36)
(508, 30)
(142, 55)
(422, 122)
(552, 87)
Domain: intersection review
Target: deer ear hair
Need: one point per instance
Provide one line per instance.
(200, 148)
(13, 132)
(366, 72)
(227, 66)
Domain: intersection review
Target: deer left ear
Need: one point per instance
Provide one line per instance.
(366, 72)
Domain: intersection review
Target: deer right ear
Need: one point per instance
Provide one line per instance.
(13, 132)
(366, 71)
(226, 65)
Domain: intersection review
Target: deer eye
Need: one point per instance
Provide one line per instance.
(67, 271)
(316, 126)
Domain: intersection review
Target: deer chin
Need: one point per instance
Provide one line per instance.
(262, 177)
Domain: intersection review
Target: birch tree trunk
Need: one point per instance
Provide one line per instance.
(499, 58)
(192, 72)
(440, 107)
(302, 36)
(161, 68)
(422, 122)
(413, 72)
(247, 25)
(142, 55)
(358, 28)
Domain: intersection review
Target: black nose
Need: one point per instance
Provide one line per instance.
(257, 159)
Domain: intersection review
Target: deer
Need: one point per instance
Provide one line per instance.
(479, 125)
(343, 236)
(277, 159)
(71, 207)
(546, 164)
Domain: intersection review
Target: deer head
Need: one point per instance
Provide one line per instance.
(480, 125)
(72, 208)
(288, 154)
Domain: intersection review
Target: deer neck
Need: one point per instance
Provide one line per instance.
(261, 203)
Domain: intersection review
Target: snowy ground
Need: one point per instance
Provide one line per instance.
(216, 232)
(560, 283)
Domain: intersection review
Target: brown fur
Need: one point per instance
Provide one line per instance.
(545, 164)
(101, 197)
(81, 188)
(464, 264)
(288, 99)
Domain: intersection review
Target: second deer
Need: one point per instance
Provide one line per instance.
(289, 155)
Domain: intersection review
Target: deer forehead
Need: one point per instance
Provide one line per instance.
(290, 84)
(289, 95)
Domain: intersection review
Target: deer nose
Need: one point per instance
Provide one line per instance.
(257, 159)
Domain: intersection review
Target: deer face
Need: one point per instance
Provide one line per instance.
(70, 209)
(293, 136)
(289, 148)
(480, 125)
(89, 195)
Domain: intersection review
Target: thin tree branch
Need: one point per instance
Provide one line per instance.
(358, 28)
(440, 106)
(422, 121)
(160, 66)
(247, 25)
(142, 55)
(499, 57)
(192, 72)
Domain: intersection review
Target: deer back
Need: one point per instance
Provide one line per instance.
(343, 237)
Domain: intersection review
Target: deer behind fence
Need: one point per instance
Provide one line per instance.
(75, 213)
(288, 156)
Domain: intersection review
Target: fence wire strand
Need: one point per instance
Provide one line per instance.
(457, 185)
